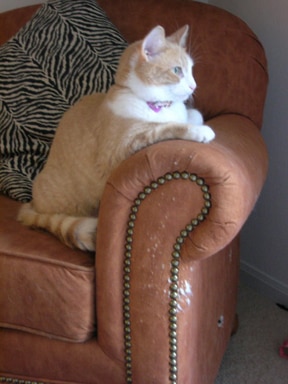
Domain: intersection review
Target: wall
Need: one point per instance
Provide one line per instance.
(6, 5)
(264, 253)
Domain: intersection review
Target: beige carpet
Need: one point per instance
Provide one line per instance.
(252, 355)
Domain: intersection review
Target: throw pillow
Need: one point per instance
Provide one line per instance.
(67, 50)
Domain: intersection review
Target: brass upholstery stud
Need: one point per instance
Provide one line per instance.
(200, 181)
(195, 222)
(176, 254)
(130, 231)
(208, 204)
(184, 233)
(142, 196)
(174, 269)
(193, 177)
(207, 196)
(132, 216)
(205, 210)
(185, 175)
(180, 240)
(205, 188)
(128, 247)
(174, 278)
(178, 246)
(147, 190)
(168, 176)
(173, 311)
(200, 217)
(154, 185)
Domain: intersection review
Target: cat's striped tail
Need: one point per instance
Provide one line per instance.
(76, 232)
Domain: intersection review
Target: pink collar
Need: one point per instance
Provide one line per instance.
(157, 106)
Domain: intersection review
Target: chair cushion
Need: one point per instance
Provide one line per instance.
(67, 50)
(46, 288)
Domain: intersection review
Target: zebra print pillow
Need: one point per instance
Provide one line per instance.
(67, 50)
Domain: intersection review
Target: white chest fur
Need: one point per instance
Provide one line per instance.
(127, 105)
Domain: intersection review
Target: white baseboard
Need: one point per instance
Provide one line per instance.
(264, 284)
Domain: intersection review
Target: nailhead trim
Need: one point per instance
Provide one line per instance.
(174, 275)
(174, 269)
(17, 381)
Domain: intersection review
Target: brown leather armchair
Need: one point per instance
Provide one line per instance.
(157, 305)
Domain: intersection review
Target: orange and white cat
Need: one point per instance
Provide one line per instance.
(144, 106)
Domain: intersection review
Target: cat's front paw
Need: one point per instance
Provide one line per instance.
(207, 134)
(201, 133)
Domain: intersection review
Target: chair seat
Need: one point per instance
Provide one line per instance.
(51, 287)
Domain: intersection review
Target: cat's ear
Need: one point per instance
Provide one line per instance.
(180, 37)
(153, 42)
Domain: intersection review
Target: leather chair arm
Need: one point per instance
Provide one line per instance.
(234, 168)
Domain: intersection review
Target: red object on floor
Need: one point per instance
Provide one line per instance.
(283, 350)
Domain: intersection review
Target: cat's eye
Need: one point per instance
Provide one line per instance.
(178, 71)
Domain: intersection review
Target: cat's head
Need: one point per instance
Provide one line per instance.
(158, 68)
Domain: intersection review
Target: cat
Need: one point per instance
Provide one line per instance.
(144, 106)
